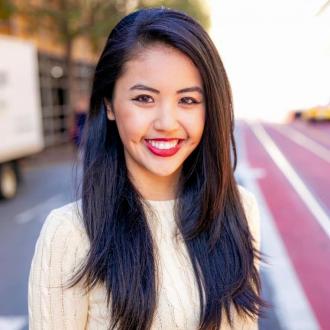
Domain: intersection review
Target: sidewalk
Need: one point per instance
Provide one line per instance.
(51, 155)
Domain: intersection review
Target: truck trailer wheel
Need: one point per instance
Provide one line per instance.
(8, 180)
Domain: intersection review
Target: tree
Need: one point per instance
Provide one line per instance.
(7, 9)
(70, 19)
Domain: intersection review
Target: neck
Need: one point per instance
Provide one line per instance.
(156, 188)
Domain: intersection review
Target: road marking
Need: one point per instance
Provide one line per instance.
(41, 208)
(12, 322)
(318, 135)
(291, 306)
(244, 171)
(305, 142)
(291, 175)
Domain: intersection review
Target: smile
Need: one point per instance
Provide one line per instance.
(163, 147)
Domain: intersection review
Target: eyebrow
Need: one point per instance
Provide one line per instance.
(183, 90)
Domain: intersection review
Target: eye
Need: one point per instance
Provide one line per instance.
(189, 100)
(143, 99)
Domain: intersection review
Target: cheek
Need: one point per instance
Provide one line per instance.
(195, 125)
(131, 125)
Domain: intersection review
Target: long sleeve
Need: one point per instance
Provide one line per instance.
(60, 248)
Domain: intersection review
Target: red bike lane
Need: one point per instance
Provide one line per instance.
(311, 168)
(319, 132)
(307, 245)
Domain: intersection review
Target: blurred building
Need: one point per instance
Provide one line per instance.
(52, 70)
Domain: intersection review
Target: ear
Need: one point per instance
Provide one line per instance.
(110, 113)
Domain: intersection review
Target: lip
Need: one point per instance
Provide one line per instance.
(164, 152)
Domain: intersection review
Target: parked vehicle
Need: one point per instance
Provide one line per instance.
(319, 113)
(314, 114)
(21, 131)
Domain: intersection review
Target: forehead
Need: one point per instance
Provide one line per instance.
(161, 65)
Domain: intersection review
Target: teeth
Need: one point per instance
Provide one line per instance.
(163, 145)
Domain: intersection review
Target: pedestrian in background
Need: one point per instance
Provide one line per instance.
(80, 111)
(163, 236)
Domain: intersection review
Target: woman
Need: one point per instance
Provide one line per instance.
(163, 237)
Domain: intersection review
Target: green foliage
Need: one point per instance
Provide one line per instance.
(69, 19)
(66, 19)
(7, 9)
(195, 8)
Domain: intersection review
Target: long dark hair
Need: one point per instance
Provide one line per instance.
(208, 209)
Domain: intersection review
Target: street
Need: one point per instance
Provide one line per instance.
(286, 166)
(47, 184)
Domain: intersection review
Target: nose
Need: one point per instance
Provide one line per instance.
(166, 118)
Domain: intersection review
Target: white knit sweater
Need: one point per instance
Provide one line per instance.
(63, 244)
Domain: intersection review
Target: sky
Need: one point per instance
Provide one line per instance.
(276, 54)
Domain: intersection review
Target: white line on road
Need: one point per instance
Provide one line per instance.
(316, 134)
(305, 142)
(12, 322)
(35, 211)
(313, 205)
(291, 307)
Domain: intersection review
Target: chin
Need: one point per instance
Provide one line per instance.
(165, 172)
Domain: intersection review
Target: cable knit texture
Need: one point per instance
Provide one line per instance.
(63, 244)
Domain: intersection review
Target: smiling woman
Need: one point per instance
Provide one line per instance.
(158, 118)
(163, 237)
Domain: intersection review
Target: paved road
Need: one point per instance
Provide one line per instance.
(290, 166)
(47, 184)
(272, 159)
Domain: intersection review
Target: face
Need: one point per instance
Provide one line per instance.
(159, 109)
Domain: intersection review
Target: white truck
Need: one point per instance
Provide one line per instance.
(21, 132)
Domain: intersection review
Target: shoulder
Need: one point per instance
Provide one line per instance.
(249, 202)
(62, 243)
(64, 223)
(66, 219)
(247, 197)
(252, 213)
(59, 253)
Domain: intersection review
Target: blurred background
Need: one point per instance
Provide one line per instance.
(277, 56)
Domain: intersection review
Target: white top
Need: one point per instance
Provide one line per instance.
(63, 244)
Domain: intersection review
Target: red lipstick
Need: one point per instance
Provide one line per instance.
(163, 152)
